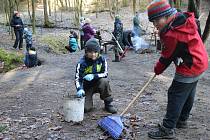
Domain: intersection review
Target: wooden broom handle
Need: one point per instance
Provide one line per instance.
(139, 93)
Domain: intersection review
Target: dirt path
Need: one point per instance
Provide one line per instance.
(31, 99)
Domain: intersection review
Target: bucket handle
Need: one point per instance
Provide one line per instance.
(139, 93)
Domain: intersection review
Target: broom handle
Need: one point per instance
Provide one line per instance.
(139, 93)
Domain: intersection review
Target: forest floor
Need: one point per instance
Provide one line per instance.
(31, 99)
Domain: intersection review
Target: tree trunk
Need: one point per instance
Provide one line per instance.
(62, 5)
(46, 18)
(29, 13)
(17, 4)
(49, 7)
(125, 3)
(206, 29)
(66, 2)
(33, 16)
(194, 6)
(134, 7)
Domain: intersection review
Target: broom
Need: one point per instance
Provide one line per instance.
(113, 124)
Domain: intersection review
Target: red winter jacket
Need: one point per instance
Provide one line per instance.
(183, 46)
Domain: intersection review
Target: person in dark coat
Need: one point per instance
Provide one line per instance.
(118, 34)
(18, 26)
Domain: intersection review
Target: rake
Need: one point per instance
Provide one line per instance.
(113, 124)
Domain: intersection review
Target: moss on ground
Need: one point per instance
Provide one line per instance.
(56, 43)
(11, 60)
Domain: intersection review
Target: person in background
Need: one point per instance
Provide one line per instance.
(73, 42)
(82, 22)
(17, 23)
(183, 46)
(91, 77)
(118, 34)
(88, 30)
(136, 25)
(27, 35)
(30, 59)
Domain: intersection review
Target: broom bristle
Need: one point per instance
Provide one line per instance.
(113, 125)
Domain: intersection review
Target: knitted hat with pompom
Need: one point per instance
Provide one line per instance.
(159, 8)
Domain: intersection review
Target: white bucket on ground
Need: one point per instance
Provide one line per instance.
(73, 108)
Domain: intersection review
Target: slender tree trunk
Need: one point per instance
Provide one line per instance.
(46, 18)
(62, 5)
(194, 6)
(206, 29)
(80, 8)
(66, 2)
(29, 13)
(33, 16)
(17, 4)
(134, 7)
(49, 7)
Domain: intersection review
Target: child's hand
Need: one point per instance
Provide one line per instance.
(89, 77)
(80, 93)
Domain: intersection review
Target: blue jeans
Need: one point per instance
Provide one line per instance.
(180, 102)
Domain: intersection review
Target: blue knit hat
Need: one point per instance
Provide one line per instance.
(160, 8)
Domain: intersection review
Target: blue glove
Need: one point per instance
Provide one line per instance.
(80, 93)
(89, 77)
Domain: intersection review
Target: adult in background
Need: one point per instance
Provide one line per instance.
(18, 26)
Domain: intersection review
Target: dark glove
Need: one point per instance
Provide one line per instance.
(159, 68)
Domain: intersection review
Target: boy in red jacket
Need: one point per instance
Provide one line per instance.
(182, 45)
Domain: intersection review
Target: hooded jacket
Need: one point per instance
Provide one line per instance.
(183, 46)
(88, 32)
(87, 66)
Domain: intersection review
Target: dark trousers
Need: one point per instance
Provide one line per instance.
(28, 46)
(100, 86)
(19, 39)
(180, 102)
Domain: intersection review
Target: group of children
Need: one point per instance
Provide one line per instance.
(181, 44)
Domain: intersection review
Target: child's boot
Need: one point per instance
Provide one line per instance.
(162, 133)
(108, 106)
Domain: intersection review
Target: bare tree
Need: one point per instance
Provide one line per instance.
(194, 6)
(134, 6)
(33, 16)
(46, 18)
(206, 29)
(29, 13)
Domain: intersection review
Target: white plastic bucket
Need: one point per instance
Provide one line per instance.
(73, 109)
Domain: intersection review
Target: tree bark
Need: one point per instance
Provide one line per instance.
(49, 7)
(194, 6)
(33, 17)
(46, 18)
(134, 7)
(29, 13)
(206, 29)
